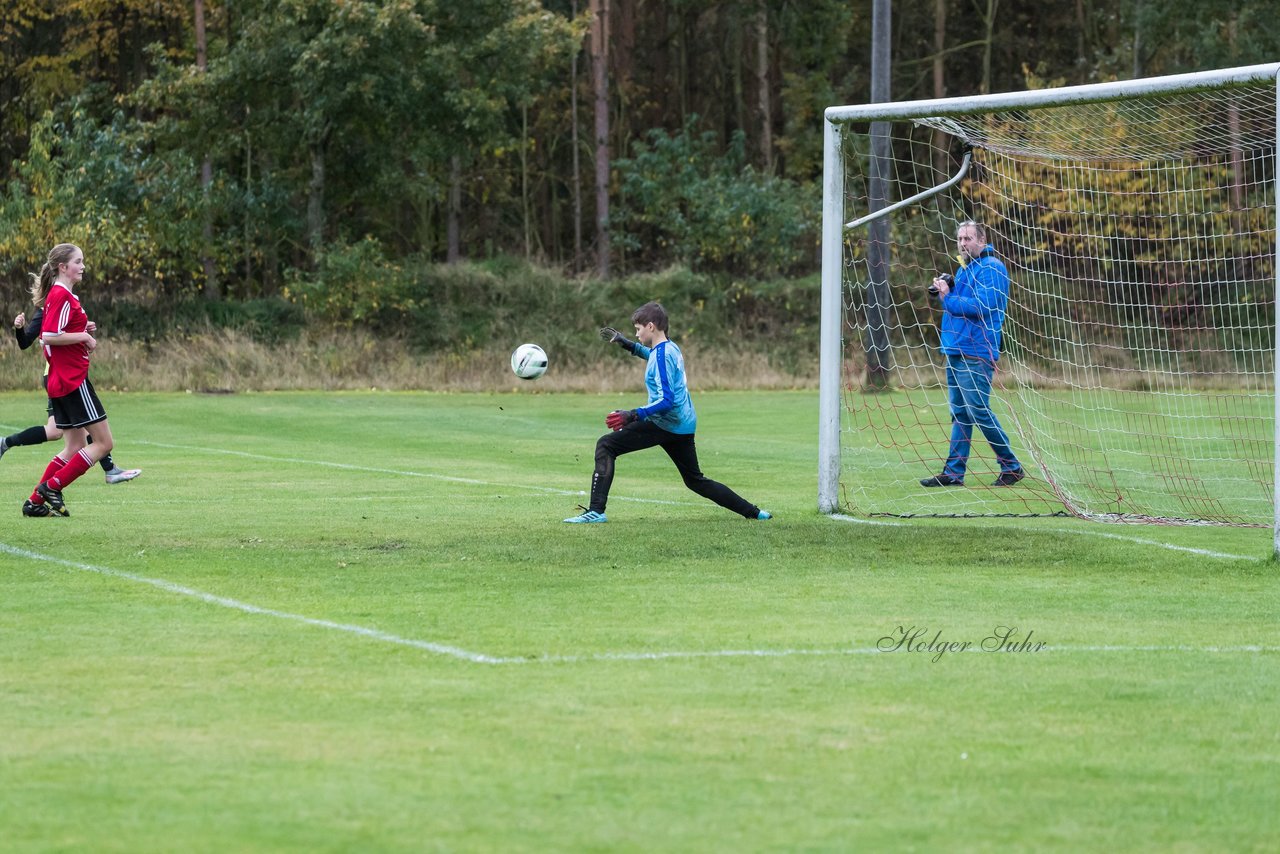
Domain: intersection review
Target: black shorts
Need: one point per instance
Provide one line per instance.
(78, 409)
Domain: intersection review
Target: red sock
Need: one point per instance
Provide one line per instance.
(54, 465)
(66, 475)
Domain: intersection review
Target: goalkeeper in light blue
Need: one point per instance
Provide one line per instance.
(667, 421)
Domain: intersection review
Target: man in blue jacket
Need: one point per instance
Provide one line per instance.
(667, 421)
(973, 313)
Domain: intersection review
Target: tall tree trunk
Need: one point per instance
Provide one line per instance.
(315, 199)
(681, 39)
(660, 65)
(600, 85)
(247, 225)
(211, 290)
(734, 60)
(1082, 27)
(525, 213)
(270, 239)
(577, 166)
(990, 22)
(1137, 39)
(762, 84)
(453, 214)
(878, 298)
(939, 80)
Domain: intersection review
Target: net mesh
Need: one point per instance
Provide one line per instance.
(1136, 374)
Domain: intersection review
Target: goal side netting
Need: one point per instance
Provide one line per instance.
(1136, 373)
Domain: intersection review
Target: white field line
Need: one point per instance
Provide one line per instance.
(401, 472)
(237, 605)
(1146, 542)
(840, 517)
(472, 657)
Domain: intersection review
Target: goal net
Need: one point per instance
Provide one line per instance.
(1136, 374)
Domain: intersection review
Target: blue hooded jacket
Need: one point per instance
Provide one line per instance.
(973, 312)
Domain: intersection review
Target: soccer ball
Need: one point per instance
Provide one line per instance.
(529, 362)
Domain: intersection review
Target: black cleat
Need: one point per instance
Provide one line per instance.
(52, 499)
(1009, 478)
(30, 508)
(942, 480)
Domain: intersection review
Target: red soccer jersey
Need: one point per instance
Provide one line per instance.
(68, 363)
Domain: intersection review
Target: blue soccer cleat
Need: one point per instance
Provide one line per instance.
(587, 517)
(764, 514)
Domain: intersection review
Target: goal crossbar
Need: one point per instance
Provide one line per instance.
(1030, 99)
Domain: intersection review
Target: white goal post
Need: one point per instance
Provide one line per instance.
(1137, 372)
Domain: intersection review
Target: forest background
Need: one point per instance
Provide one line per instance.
(344, 193)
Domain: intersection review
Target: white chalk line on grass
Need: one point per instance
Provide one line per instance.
(472, 657)
(550, 490)
(237, 605)
(840, 517)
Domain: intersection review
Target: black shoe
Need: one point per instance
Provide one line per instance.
(1009, 478)
(942, 480)
(52, 499)
(30, 508)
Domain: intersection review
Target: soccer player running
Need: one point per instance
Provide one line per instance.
(27, 331)
(668, 420)
(973, 314)
(67, 337)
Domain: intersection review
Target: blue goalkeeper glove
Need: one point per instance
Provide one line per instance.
(613, 336)
(619, 418)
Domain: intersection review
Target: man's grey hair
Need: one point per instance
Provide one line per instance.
(979, 228)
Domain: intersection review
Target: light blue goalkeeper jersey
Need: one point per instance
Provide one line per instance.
(669, 406)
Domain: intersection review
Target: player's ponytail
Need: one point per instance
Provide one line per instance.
(43, 281)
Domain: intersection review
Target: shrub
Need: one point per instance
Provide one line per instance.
(266, 320)
(685, 201)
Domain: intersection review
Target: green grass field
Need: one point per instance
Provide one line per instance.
(355, 622)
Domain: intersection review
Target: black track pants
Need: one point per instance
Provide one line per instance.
(639, 435)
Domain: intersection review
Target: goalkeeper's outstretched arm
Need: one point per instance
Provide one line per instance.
(613, 336)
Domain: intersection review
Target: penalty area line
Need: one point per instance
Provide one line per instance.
(841, 517)
(248, 608)
(549, 490)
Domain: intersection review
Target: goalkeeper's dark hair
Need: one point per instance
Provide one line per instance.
(651, 312)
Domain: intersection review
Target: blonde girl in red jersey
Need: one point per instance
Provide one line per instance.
(67, 337)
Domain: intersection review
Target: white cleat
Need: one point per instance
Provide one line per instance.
(119, 475)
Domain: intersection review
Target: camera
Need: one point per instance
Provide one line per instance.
(946, 277)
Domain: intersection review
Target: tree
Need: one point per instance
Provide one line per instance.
(879, 300)
(600, 86)
(762, 84)
(206, 168)
(357, 108)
